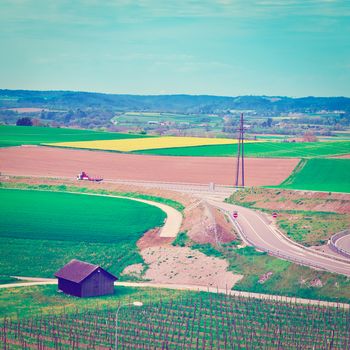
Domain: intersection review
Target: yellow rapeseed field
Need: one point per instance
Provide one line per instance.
(127, 145)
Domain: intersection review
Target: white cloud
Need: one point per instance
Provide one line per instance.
(129, 11)
(236, 8)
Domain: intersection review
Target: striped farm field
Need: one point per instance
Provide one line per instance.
(41, 230)
(35, 135)
(320, 175)
(128, 145)
(260, 149)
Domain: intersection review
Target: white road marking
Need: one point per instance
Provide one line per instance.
(288, 249)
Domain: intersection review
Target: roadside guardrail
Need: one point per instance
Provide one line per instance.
(333, 243)
(276, 253)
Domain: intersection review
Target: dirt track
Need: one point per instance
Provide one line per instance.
(47, 281)
(345, 156)
(46, 161)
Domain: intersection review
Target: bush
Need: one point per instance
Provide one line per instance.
(181, 239)
(207, 249)
(24, 122)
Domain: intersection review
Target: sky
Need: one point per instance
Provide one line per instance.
(213, 47)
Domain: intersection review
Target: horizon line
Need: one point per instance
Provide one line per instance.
(174, 94)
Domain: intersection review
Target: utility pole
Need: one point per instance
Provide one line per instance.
(240, 153)
(135, 303)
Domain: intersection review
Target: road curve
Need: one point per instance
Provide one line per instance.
(172, 222)
(344, 243)
(261, 235)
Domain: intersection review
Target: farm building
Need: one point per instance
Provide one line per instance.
(82, 279)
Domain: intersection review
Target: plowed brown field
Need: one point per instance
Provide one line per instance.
(46, 161)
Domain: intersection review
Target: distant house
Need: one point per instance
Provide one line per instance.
(82, 279)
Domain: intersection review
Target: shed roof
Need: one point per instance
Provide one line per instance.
(76, 271)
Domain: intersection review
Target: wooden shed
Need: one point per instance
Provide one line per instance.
(82, 279)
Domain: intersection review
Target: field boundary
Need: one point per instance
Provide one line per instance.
(273, 153)
(172, 223)
(296, 170)
(209, 289)
(130, 145)
(319, 174)
(134, 182)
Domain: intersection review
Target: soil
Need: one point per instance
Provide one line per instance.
(133, 270)
(182, 265)
(27, 110)
(186, 266)
(346, 156)
(296, 200)
(266, 276)
(316, 282)
(206, 224)
(49, 161)
(152, 239)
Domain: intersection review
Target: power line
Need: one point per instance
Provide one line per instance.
(240, 153)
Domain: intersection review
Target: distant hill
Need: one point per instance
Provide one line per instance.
(203, 104)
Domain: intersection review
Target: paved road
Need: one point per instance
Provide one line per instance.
(257, 232)
(211, 190)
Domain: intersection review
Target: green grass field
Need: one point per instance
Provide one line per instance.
(331, 175)
(261, 149)
(41, 231)
(32, 135)
(36, 300)
(81, 189)
(311, 228)
(15, 136)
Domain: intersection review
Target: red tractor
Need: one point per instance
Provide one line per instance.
(84, 176)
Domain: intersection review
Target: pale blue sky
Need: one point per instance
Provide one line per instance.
(216, 47)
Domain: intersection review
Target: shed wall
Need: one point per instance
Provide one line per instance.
(98, 283)
(69, 287)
